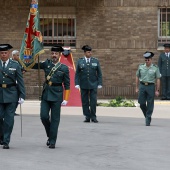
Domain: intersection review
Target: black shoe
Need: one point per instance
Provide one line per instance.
(6, 146)
(163, 98)
(95, 120)
(86, 120)
(48, 143)
(148, 121)
(51, 146)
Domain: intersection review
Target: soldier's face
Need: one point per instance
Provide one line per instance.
(88, 54)
(15, 57)
(4, 55)
(167, 49)
(148, 61)
(55, 56)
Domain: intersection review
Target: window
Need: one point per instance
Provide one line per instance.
(58, 29)
(163, 25)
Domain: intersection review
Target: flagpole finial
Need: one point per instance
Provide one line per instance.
(34, 2)
(34, 6)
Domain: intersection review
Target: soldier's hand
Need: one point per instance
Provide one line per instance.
(77, 86)
(157, 93)
(137, 90)
(21, 101)
(99, 86)
(64, 102)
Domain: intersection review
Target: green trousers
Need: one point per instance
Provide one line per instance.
(146, 100)
(165, 80)
(7, 111)
(89, 102)
(50, 121)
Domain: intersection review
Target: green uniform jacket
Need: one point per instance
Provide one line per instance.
(148, 74)
(164, 64)
(88, 77)
(11, 94)
(61, 75)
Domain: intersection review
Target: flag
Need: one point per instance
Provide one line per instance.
(31, 46)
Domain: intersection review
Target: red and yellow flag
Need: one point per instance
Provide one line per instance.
(31, 46)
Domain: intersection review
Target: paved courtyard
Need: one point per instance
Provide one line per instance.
(120, 141)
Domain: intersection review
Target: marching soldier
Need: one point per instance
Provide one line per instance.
(164, 67)
(88, 78)
(147, 76)
(10, 92)
(56, 76)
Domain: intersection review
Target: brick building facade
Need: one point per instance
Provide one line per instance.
(119, 31)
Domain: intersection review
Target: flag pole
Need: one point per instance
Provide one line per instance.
(39, 79)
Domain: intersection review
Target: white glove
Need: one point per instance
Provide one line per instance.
(64, 102)
(21, 101)
(99, 86)
(77, 86)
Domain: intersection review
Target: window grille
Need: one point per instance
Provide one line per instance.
(58, 29)
(163, 26)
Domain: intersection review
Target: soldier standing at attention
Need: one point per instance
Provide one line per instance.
(56, 77)
(15, 57)
(148, 80)
(88, 78)
(10, 93)
(164, 67)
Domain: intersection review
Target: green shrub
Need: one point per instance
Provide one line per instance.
(118, 102)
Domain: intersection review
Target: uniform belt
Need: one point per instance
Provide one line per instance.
(50, 83)
(146, 83)
(7, 85)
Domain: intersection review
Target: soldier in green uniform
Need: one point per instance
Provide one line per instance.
(15, 57)
(10, 93)
(148, 85)
(88, 78)
(164, 67)
(56, 77)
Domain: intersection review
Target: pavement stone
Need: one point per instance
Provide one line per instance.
(120, 141)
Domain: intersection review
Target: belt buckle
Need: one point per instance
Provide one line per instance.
(4, 85)
(146, 84)
(50, 83)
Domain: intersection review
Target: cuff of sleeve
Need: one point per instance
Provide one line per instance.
(66, 95)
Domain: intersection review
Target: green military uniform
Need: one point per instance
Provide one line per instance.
(9, 95)
(88, 76)
(164, 67)
(147, 77)
(22, 70)
(52, 96)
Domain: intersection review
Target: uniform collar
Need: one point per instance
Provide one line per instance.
(87, 58)
(55, 63)
(6, 62)
(147, 66)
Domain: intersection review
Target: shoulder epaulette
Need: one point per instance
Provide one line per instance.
(95, 58)
(155, 65)
(64, 64)
(15, 61)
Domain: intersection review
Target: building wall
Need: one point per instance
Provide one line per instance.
(119, 31)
